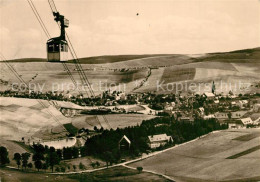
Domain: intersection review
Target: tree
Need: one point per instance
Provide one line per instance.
(38, 164)
(229, 115)
(25, 158)
(68, 167)
(30, 165)
(17, 158)
(37, 158)
(63, 169)
(53, 159)
(4, 156)
(44, 166)
(97, 164)
(57, 169)
(74, 167)
(93, 164)
(108, 157)
(82, 166)
(75, 152)
(140, 169)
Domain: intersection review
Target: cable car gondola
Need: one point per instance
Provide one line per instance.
(57, 47)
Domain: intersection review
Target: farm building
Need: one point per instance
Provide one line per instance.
(156, 141)
(124, 143)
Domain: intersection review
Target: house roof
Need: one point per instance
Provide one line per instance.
(243, 101)
(246, 121)
(209, 94)
(125, 137)
(157, 138)
(201, 109)
(209, 116)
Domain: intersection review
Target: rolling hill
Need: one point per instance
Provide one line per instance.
(126, 70)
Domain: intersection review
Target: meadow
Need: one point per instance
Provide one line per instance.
(207, 158)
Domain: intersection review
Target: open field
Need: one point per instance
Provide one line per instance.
(115, 120)
(27, 118)
(230, 67)
(24, 117)
(52, 77)
(107, 175)
(205, 158)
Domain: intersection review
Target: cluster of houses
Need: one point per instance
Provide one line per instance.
(247, 112)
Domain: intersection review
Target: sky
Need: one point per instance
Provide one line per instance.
(112, 27)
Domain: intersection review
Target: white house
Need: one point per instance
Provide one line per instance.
(159, 140)
(216, 101)
(209, 95)
(124, 143)
(209, 116)
(246, 121)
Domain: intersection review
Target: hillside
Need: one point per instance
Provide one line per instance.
(126, 71)
(25, 117)
(220, 156)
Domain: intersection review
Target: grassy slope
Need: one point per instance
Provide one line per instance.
(208, 158)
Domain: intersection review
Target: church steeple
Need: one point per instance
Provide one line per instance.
(213, 88)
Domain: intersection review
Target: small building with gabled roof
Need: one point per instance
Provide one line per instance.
(124, 143)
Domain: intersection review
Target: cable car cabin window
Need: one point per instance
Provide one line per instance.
(57, 48)
(50, 48)
(64, 48)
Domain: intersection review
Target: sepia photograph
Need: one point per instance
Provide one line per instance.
(129, 90)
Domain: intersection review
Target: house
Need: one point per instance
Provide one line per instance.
(242, 103)
(235, 125)
(209, 95)
(121, 96)
(124, 143)
(209, 116)
(156, 141)
(201, 112)
(173, 104)
(238, 114)
(216, 101)
(233, 103)
(246, 121)
(168, 108)
(221, 115)
(186, 119)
